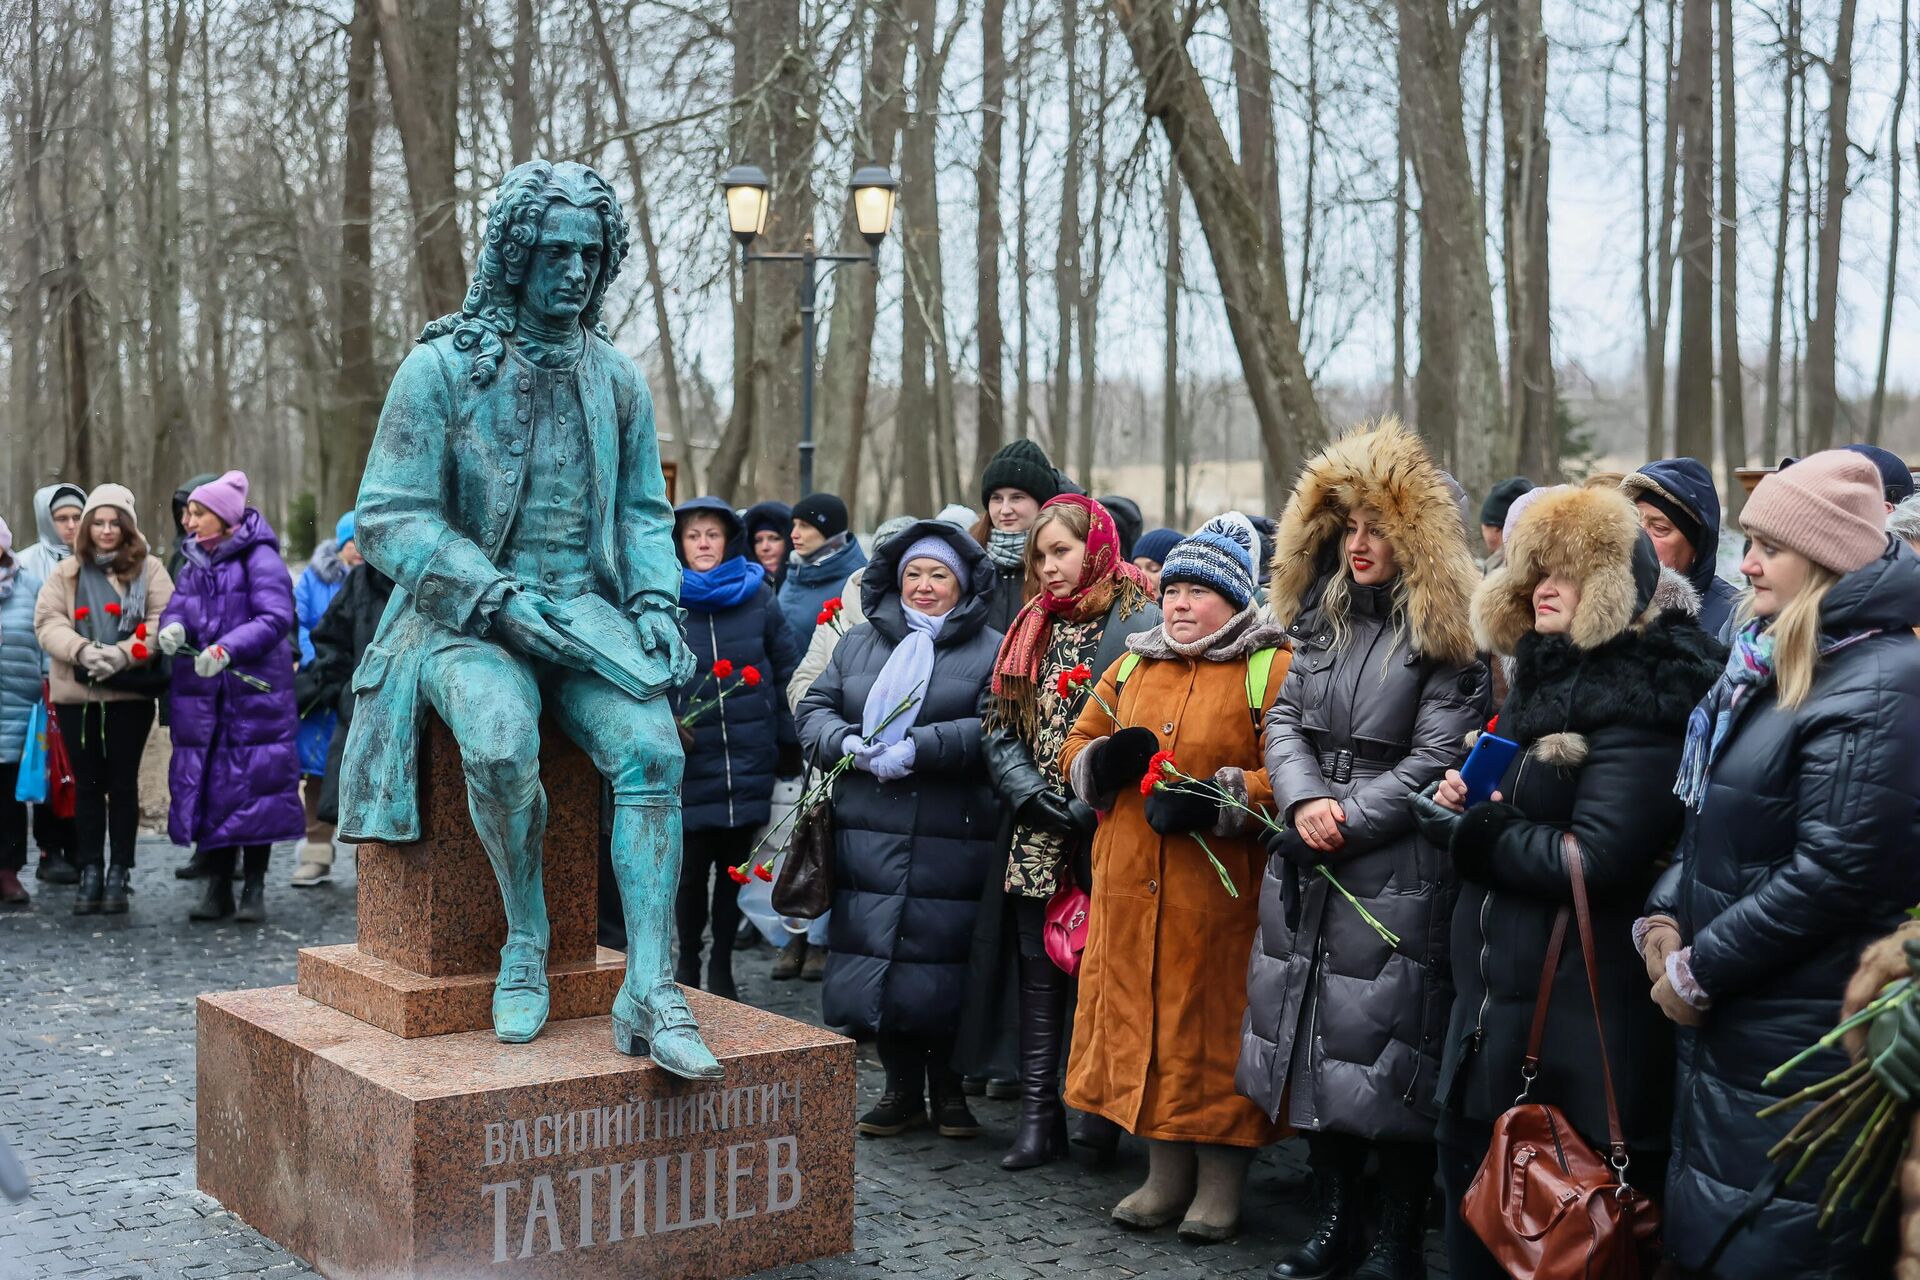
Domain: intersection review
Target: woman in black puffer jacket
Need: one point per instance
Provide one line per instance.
(733, 748)
(915, 822)
(1800, 774)
(1608, 660)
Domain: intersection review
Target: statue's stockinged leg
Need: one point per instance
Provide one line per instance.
(650, 1015)
(514, 835)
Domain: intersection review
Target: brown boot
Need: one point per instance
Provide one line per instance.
(786, 965)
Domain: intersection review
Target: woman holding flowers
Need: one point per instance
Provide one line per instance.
(914, 817)
(1608, 660)
(89, 619)
(1799, 777)
(733, 723)
(1372, 578)
(1160, 1003)
(1091, 601)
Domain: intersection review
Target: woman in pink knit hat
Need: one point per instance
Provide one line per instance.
(1799, 776)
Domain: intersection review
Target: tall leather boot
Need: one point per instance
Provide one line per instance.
(514, 839)
(650, 1015)
(1042, 1135)
(1330, 1246)
(1397, 1238)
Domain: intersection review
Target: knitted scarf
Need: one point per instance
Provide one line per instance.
(1007, 547)
(1749, 670)
(1106, 579)
(731, 582)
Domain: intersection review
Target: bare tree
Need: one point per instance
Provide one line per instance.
(1693, 374)
(990, 413)
(1522, 44)
(1656, 229)
(520, 101)
(1170, 433)
(356, 392)
(918, 414)
(1823, 402)
(1783, 213)
(1877, 414)
(420, 44)
(1733, 400)
(1066, 253)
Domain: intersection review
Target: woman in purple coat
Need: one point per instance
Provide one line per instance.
(235, 776)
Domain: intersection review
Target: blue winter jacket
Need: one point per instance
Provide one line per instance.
(736, 745)
(808, 586)
(20, 660)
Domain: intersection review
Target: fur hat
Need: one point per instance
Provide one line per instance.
(1592, 535)
(1382, 465)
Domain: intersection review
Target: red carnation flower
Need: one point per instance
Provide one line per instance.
(763, 871)
(113, 607)
(1493, 725)
(750, 676)
(739, 876)
(822, 619)
(1064, 685)
(723, 668)
(139, 652)
(1156, 771)
(141, 631)
(835, 605)
(80, 614)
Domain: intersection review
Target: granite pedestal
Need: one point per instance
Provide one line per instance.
(368, 1120)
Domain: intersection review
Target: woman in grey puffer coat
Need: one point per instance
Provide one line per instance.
(1372, 578)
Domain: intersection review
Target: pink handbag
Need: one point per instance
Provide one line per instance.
(1066, 930)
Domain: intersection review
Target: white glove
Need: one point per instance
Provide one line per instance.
(210, 661)
(103, 660)
(895, 762)
(172, 638)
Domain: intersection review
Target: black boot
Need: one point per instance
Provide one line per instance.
(55, 869)
(1098, 1135)
(1396, 1252)
(253, 901)
(896, 1113)
(113, 899)
(216, 901)
(194, 868)
(686, 970)
(720, 973)
(86, 899)
(1329, 1247)
(1042, 1135)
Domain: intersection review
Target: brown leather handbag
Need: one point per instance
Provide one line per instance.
(804, 887)
(1545, 1203)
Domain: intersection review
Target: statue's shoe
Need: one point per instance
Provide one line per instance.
(519, 1001)
(666, 1032)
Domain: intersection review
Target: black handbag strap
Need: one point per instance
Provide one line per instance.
(1530, 1066)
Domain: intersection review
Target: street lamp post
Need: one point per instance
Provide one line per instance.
(874, 191)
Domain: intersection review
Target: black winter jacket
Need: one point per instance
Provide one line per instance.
(1600, 737)
(910, 856)
(1803, 853)
(341, 636)
(731, 765)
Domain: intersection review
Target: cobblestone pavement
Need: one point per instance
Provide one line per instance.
(97, 1041)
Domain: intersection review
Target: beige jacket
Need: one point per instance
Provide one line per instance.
(820, 648)
(53, 628)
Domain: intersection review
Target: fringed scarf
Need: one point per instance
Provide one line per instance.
(1106, 579)
(1749, 670)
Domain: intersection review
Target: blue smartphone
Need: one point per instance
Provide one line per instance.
(1486, 765)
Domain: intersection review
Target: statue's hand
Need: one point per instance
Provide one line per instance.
(522, 623)
(660, 633)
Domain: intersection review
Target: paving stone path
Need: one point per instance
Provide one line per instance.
(96, 1096)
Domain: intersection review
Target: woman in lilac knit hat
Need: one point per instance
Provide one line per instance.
(235, 775)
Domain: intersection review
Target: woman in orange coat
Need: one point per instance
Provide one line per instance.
(1157, 1030)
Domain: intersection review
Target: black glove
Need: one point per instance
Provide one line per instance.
(1174, 813)
(1050, 810)
(1436, 822)
(1082, 857)
(1287, 844)
(1121, 761)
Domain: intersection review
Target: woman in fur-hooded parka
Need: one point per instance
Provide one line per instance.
(1599, 708)
(1342, 1034)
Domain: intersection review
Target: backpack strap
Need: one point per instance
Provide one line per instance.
(1259, 671)
(1129, 662)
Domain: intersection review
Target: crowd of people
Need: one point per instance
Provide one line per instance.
(1171, 834)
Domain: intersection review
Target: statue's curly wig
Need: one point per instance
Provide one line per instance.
(492, 306)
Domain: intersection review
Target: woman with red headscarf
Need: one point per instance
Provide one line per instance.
(1086, 599)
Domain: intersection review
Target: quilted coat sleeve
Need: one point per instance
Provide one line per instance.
(1854, 835)
(269, 608)
(1453, 703)
(1010, 762)
(1618, 841)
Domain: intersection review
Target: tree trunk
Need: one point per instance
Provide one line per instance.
(29, 433)
(1252, 273)
(1656, 235)
(170, 439)
(356, 389)
(420, 45)
(1170, 513)
(680, 447)
(213, 304)
(1733, 391)
(1693, 373)
(1091, 269)
(1399, 394)
(918, 415)
(1457, 391)
(107, 125)
(1066, 256)
(990, 399)
(1022, 252)
(1877, 415)
(1253, 81)
(1823, 402)
(1524, 146)
(1311, 163)
(1783, 215)
(520, 104)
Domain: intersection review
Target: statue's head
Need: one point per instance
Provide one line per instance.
(555, 241)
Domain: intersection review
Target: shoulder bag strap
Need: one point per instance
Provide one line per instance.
(1530, 1065)
(1576, 873)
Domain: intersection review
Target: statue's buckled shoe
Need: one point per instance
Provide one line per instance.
(520, 1001)
(667, 1033)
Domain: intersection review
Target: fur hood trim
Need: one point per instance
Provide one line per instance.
(1586, 534)
(1382, 465)
(1647, 677)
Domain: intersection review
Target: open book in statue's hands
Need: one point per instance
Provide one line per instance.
(611, 642)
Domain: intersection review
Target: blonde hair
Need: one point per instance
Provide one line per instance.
(1336, 603)
(1796, 635)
